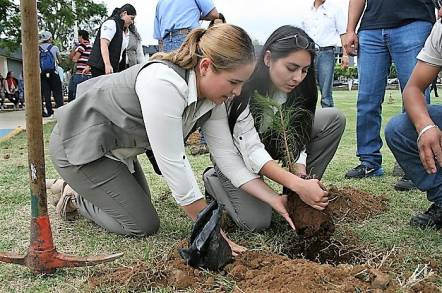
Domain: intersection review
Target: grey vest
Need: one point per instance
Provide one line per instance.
(106, 115)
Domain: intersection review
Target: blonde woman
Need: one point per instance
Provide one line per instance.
(97, 138)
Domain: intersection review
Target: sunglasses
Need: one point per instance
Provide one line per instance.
(300, 41)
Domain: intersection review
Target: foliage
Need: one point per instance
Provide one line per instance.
(393, 71)
(346, 73)
(286, 127)
(9, 25)
(55, 16)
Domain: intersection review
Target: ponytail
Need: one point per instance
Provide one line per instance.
(227, 45)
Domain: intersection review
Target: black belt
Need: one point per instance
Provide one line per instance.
(326, 48)
(181, 31)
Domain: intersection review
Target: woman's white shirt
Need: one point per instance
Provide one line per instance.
(170, 109)
(108, 30)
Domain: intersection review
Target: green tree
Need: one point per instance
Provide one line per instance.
(9, 25)
(55, 16)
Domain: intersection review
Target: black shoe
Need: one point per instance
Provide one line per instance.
(404, 184)
(397, 170)
(432, 218)
(362, 171)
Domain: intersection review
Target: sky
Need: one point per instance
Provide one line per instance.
(258, 18)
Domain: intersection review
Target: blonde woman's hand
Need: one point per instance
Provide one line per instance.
(236, 248)
(312, 192)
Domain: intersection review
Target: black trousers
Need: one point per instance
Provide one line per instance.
(51, 85)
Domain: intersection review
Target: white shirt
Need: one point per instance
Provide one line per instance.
(324, 24)
(170, 109)
(108, 30)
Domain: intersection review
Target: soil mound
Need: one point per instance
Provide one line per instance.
(350, 204)
(253, 271)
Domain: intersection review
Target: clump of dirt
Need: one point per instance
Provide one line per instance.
(349, 204)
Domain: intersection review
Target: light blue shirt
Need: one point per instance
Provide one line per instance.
(178, 14)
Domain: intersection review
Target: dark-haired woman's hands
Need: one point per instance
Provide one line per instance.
(312, 193)
(279, 204)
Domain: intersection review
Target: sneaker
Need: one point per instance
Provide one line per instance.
(404, 184)
(432, 218)
(362, 171)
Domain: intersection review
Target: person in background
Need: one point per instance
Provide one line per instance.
(49, 78)
(21, 89)
(134, 51)
(415, 137)
(389, 31)
(324, 23)
(434, 87)
(80, 56)
(2, 92)
(10, 84)
(175, 19)
(107, 55)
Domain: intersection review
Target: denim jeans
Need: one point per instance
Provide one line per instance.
(173, 42)
(325, 68)
(76, 79)
(377, 50)
(401, 136)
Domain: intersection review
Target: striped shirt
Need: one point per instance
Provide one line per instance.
(85, 49)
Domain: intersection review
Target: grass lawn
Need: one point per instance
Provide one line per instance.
(383, 233)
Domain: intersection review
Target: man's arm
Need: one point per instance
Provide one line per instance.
(213, 14)
(429, 143)
(355, 9)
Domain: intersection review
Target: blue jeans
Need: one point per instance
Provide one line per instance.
(325, 68)
(173, 42)
(76, 79)
(401, 136)
(377, 50)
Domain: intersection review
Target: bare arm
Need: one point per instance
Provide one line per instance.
(429, 144)
(213, 14)
(355, 9)
(104, 44)
(76, 56)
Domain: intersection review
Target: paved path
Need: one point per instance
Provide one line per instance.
(11, 120)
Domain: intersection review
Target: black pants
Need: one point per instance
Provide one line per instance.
(51, 85)
(14, 98)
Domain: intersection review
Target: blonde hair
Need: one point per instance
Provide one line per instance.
(226, 45)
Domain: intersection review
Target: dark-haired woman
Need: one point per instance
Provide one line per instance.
(11, 89)
(111, 42)
(285, 74)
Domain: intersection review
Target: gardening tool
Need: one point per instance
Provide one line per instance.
(42, 256)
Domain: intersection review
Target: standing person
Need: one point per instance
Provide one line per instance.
(2, 92)
(11, 89)
(434, 87)
(97, 138)
(324, 23)
(390, 31)
(175, 19)
(134, 51)
(49, 78)
(415, 137)
(111, 42)
(80, 57)
(21, 89)
(285, 74)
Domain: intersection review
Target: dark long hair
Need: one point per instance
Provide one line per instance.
(126, 7)
(304, 96)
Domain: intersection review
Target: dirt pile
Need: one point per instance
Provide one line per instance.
(253, 271)
(349, 204)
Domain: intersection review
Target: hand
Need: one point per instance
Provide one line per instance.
(279, 204)
(236, 248)
(344, 62)
(430, 148)
(108, 69)
(86, 70)
(351, 43)
(312, 192)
